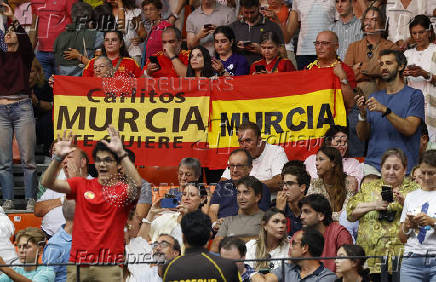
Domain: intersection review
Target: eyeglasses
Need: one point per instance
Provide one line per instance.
(163, 244)
(97, 67)
(238, 166)
(370, 53)
(289, 183)
(294, 243)
(322, 43)
(108, 40)
(107, 160)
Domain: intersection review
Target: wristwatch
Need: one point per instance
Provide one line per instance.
(388, 111)
(344, 81)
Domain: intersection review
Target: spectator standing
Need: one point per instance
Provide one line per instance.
(200, 63)
(391, 118)
(296, 182)
(420, 68)
(271, 61)
(332, 182)
(201, 23)
(172, 59)
(234, 248)
(7, 250)
(306, 244)
(30, 242)
(197, 263)
(101, 220)
(248, 30)
(58, 247)
(17, 117)
(337, 136)
(114, 48)
(224, 199)
(227, 61)
(418, 225)
(312, 16)
(347, 27)
(363, 55)
(247, 224)
(401, 13)
(75, 46)
(272, 241)
(326, 45)
(317, 213)
(376, 228)
(268, 160)
(49, 19)
(152, 10)
(49, 205)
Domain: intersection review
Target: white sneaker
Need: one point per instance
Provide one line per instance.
(30, 205)
(8, 205)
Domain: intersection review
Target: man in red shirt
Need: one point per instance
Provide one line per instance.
(173, 61)
(326, 46)
(316, 212)
(102, 205)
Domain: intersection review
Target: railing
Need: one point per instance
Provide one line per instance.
(395, 260)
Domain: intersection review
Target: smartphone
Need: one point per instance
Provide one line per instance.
(387, 193)
(264, 270)
(154, 60)
(260, 68)
(208, 26)
(246, 43)
(169, 202)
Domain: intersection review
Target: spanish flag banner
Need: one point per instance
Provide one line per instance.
(164, 120)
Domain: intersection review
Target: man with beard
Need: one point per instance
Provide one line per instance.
(391, 118)
(307, 244)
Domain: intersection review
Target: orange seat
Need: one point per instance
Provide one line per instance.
(159, 175)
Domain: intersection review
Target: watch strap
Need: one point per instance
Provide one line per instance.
(388, 111)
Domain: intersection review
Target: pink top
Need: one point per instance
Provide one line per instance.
(154, 41)
(53, 16)
(23, 14)
(352, 167)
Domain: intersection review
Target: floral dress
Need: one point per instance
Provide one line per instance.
(379, 237)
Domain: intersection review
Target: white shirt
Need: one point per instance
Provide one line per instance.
(413, 205)
(54, 219)
(399, 17)
(315, 16)
(138, 250)
(7, 250)
(426, 59)
(279, 252)
(269, 164)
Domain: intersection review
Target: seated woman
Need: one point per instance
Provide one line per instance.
(29, 247)
(159, 220)
(351, 270)
(115, 50)
(333, 183)
(379, 219)
(272, 242)
(271, 61)
(337, 136)
(200, 63)
(227, 61)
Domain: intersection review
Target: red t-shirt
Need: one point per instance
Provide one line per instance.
(284, 65)
(53, 16)
(98, 230)
(166, 66)
(348, 70)
(127, 66)
(335, 235)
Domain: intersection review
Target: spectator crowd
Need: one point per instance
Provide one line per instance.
(370, 189)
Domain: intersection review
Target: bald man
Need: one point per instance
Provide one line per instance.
(326, 46)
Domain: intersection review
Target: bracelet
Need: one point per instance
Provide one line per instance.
(361, 118)
(172, 58)
(408, 232)
(144, 220)
(59, 159)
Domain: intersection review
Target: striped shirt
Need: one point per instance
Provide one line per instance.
(347, 34)
(315, 16)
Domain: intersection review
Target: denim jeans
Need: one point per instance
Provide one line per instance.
(17, 119)
(419, 269)
(47, 61)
